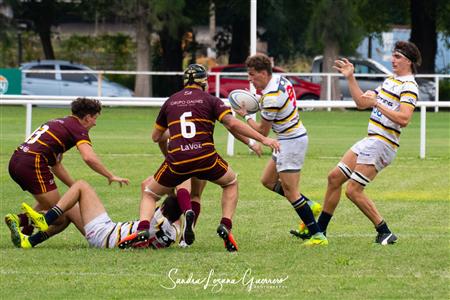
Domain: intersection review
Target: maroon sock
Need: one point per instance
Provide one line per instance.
(23, 220)
(143, 225)
(184, 200)
(196, 209)
(27, 230)
(227, 223)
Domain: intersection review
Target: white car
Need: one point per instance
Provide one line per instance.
(370, 66)
(66, 84)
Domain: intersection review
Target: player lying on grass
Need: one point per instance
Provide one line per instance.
(101, 231)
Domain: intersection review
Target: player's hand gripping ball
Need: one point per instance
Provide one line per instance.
(243, 98)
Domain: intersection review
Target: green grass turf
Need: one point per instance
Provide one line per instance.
(412, 195)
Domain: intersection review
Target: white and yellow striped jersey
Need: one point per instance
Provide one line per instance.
(393, 92)
(162, 232)
(279, 106)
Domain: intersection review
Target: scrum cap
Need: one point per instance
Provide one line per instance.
(195, 74)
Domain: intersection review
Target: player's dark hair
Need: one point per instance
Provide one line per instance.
(411, 52)
(170, 208)
(259, 62)
(85, 106)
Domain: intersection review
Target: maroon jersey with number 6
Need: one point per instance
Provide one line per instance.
(190, 116)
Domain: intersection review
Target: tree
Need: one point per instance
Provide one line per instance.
(284, 24)
(423, 32)
(234, 17)
(142, 14)
(334, 27)
(44, 14)
(143, 86)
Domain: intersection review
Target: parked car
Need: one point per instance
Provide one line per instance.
(304, 89)
(370, 66)
(66, 84)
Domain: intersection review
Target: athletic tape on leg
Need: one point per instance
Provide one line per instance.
(148, 190)
(231, 182)
(345, 169)
(360, 178)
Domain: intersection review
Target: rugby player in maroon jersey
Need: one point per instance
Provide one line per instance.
(35, 162)
(190, 116)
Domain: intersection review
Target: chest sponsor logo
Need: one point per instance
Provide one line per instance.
(193, 146)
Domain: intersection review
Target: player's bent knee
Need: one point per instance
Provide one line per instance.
(340, 174)
(356, 185)
(152, 193)
(266, 183)
(233, 181)
(81, 183)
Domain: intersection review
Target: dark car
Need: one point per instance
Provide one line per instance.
(370, 66)
(304, 89)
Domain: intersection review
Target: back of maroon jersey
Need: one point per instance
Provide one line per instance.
(56, 137)
(190, 116)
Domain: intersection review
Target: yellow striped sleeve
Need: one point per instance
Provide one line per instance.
(83, 142)
(159, 127)
(228, 111)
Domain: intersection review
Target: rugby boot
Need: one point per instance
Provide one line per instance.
(138, 239)
(17, 237)
(303, 231)
(385, 239)
(228, 239)
(318, 239)
(36, 218)
(188, 229)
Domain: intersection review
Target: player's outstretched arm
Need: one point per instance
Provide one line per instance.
(237, 127)
(347, 69)
(263, 127)
(92, 160)
(254, 146)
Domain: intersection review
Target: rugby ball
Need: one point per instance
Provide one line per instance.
(243, 98)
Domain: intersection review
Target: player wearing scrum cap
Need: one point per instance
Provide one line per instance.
(392, 104)
(190, 116)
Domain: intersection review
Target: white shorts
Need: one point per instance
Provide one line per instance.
(98, 229)
(292, 154)
(372, 151)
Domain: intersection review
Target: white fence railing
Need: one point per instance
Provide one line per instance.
(326, 77)
(29, 101)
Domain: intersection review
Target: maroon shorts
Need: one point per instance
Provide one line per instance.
(31, 172)
(210, 168)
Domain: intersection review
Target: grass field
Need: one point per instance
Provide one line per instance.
(412, 195)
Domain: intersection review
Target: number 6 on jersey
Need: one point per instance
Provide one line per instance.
(187, 124)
